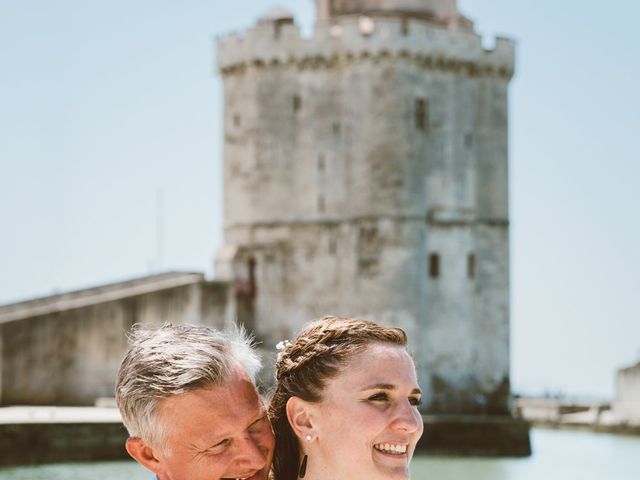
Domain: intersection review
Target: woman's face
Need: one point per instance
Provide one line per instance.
(367, 423)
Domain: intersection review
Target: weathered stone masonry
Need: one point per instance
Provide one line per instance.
(66, 349)
(366, 173)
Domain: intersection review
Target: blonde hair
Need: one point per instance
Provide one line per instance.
(303, 368)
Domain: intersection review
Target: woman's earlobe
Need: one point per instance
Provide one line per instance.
(300, 416)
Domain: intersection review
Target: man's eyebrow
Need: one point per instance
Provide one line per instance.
(390, 387)
(197, 451)
(262, 416)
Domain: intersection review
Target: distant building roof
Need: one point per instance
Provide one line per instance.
(277, 14)
(440, 11)
(632, 368)
(96, 295)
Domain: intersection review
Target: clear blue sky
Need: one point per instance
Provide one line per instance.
(105, 103)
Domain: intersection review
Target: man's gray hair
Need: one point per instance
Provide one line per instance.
(172, 360)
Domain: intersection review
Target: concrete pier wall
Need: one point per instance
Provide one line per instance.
(66, 349)
(38, 443)
(36, 435)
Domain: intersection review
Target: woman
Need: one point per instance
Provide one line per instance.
(345, 404)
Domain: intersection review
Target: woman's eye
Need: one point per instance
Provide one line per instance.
(379, 397)
(415, 401)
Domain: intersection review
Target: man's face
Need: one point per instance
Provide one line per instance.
(215, 433)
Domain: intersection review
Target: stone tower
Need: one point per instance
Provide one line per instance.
(366, 174)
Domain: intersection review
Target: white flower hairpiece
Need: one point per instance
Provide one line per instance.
(284, 344)
(281, 347)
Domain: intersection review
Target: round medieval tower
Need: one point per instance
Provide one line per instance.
(366, 175)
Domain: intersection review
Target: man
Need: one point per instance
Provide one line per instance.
(189, 402)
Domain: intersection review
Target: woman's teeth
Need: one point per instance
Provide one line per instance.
(391, 448)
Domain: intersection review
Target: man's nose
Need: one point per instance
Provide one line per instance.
(250, 454)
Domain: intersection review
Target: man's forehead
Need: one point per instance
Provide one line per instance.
(240, 390)
(216, 408)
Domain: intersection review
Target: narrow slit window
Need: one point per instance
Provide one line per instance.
(405, 26)
(471, 265)
(468, 140)
(297, 103)
(434, 265)
(321, 163)
(321, 204)
(421, 114)
(333, 246)
(250, 287)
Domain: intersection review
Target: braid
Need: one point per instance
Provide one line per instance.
(304, 367)
(320, 344)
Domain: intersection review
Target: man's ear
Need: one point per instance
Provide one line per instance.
(300, 416)
(144, 454)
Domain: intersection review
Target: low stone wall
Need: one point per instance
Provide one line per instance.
(614, 428)
(37, 443)
(467, 435)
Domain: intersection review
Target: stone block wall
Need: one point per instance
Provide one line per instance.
(70, 356)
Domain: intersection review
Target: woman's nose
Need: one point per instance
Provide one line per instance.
(408, 418)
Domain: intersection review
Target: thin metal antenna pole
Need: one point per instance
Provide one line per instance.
(159, 228)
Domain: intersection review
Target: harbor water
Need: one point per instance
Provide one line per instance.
(558, 455)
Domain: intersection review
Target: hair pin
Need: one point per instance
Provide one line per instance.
(284, 344)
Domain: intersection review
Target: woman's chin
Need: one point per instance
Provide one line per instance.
(397, 473)
(389, 466)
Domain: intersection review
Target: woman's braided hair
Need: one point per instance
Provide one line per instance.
(305, 365)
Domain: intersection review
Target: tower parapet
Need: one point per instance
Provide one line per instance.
(360, 38)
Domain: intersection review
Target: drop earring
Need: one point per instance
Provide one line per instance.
(303, 467)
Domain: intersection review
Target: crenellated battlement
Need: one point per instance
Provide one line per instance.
(356, 38)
